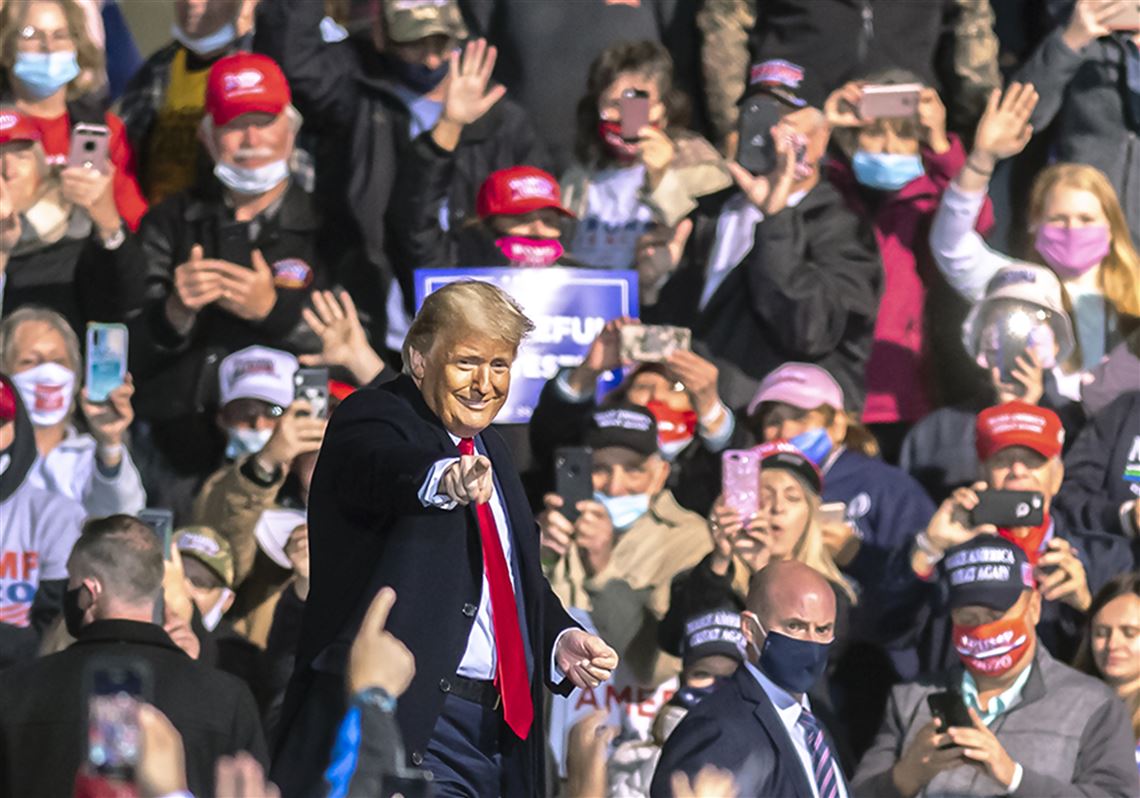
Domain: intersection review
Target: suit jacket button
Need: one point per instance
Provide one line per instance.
(417, 758)
(445, 685)
(469, 610)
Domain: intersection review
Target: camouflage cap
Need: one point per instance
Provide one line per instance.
(205, 545)
(410, 20)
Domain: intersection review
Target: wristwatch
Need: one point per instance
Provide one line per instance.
(115, 240)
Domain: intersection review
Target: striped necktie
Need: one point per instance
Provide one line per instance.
(822, 762)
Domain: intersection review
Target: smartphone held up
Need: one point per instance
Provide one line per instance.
(740, 480)
(106, 359)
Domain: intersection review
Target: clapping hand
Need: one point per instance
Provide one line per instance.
(1086, 25)
(247, 293)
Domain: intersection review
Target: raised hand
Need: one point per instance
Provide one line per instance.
(108, 421)
(1004, 128)
(297, 432)
(842, 106)
(1087, 23)
(92, 191)
(1061, 576)
(932, 120)
(466, 98)
(770, 192)
(343, 341)
(10, 227)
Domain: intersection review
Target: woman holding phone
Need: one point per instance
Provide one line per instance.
(636, 168)
(47, 67)
(1076, 222)
(1110, 650)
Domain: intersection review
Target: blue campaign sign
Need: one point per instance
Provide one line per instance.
(569, 307)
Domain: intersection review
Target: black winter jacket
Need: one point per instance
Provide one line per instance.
(808, 290)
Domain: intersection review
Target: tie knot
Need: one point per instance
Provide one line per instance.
(467, 446)
(808, 721)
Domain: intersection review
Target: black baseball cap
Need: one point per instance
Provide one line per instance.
(787, 82)
(781, 454)
(712, 633)
(625, 425)
(987, 571)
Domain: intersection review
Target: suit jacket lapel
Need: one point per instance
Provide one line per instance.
(766, 714)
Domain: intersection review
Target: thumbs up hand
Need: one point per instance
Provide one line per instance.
(247, 293)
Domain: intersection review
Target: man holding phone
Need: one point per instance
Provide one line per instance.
(626, 542)
(1036, 726)
(1019, 447)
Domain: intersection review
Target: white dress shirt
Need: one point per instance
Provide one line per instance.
(789, 711)
(479, 659)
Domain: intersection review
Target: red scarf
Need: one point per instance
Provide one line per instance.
(1031, 542)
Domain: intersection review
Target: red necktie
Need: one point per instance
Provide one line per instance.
(510, 675)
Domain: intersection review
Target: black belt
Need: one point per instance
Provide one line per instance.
(479, 691)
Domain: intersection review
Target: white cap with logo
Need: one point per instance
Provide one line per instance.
(257, 372)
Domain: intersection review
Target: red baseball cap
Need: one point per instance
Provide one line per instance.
(1017, 423)
(245, 83)
(15, 126)
(518, 190)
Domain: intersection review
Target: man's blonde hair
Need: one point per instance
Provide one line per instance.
(466, 307)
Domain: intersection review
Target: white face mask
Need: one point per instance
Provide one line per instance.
(251, 181)
(205, 45)
(212, 618)
(243, 441)
(47, 391)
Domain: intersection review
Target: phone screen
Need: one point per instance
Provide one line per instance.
(634, 107)
(312, 385)
(106, 359)
(115, 690)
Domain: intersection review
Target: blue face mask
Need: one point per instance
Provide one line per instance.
(243, 441)
(624, 510)
(43, 74)
(417, 77)
(796, 665)
(815, 444)
(886, 172)
(208, 44)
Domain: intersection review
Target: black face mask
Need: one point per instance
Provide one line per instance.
(416, 77)
(72, 612)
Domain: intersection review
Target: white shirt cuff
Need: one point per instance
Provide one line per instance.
(1015, 782)
(557, 674)
(429, 492)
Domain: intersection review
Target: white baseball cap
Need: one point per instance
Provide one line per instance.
(257, 372)
(1030, 284)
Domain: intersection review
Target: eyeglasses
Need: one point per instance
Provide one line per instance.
(49, 40)
(250, 411)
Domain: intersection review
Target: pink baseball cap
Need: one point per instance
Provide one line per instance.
(802, 385)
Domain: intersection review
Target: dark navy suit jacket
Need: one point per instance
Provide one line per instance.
(736, 729)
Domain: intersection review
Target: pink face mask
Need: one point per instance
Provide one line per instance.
(1072, 251)
(523, 251)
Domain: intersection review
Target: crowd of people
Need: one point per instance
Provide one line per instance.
(900, 238)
